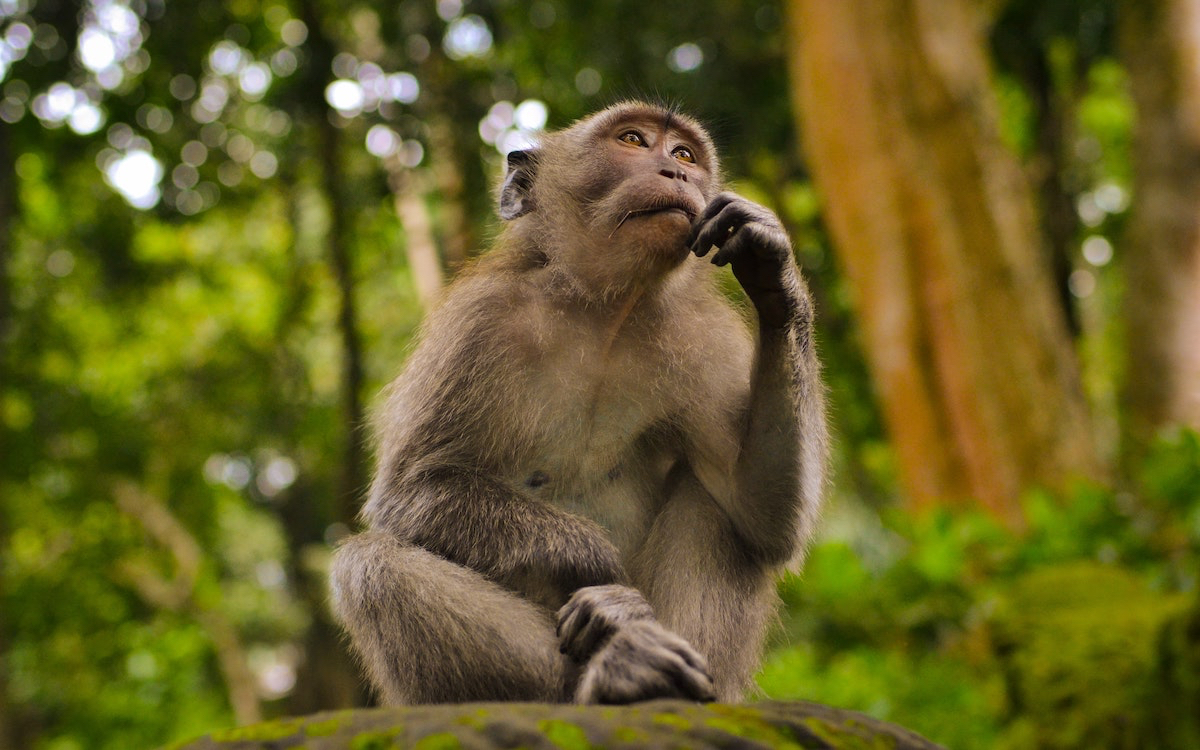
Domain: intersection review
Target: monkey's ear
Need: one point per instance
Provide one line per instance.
(516, 198)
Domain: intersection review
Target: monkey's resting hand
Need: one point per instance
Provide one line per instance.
(630, 657)
(593, 614)
(752, 238)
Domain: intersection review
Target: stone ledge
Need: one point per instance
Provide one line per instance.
(655, 724)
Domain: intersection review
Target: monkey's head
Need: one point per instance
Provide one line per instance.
(615, 194)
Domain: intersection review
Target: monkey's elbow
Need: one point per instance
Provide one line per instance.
(773, 551)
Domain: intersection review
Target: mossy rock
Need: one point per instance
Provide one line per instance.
(1176, 703)
(656, 724)
(1077, 642)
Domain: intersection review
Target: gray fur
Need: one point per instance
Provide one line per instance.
(590, 471)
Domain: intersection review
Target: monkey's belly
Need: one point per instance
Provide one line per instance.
(621, 508)
(619, 489)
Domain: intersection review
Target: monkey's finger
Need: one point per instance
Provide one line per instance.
(687, 680)
(692, 657)
(582, 641)
(715, 207)
(591, 638)
(697, 686)
(571, 617)
(719, 229)
(584, 633)
(716, 223)
(740, 244)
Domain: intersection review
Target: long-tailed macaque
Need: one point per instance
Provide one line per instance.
(593, 467)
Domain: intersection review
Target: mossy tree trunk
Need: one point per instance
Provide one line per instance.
(934, 225)
(1161, 46)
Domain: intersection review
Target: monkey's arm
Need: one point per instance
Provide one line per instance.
(478, 521)
(546, 556)
(779, 475)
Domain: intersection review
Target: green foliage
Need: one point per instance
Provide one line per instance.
(1076, 631)
(1077, 641)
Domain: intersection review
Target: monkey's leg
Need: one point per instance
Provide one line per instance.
(430, 631)
(702, 585)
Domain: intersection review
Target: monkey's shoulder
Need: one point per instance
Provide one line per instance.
(483, 314)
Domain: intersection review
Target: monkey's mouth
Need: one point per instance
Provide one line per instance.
(686, 212)
(682, 208)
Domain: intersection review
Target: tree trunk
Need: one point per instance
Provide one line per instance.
(352, 481)
(419, 244)
(935, 229)
(8, 219)
(458, 239)
(326, 677)
(453, 158)
(1161, 46)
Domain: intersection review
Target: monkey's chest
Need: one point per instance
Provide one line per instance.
(590, 451)
(589, 433)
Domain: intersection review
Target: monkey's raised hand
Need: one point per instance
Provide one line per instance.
(752, 238)
(629, 656)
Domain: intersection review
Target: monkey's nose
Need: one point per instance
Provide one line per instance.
(673, 174)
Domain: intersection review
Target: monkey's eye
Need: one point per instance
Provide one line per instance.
(683, 153)
(632, 137)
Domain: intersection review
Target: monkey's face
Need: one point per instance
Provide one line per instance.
(619, 189)
(651, 174)
(652, 171)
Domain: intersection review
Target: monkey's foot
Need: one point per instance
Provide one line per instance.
(642, 661)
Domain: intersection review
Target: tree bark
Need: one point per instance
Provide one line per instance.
(325, 677)
(352, 480)
(449, 117)
(1161, 45)
(935, 228)
(419, 244)
(8, 219)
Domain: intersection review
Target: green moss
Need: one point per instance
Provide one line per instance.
(1078, 643)
(675, 721)
(327, 727)
(630, 735)
(741, 721)
(564, 734)
(439, 741)
(847, 737)
(268, 731)
(476, 721)
(376, 741)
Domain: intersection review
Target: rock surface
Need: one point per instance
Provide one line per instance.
(656, 724)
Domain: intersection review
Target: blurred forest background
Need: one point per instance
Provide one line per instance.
(221, 222)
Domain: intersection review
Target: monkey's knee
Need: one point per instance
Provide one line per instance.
(431, 631)
(363, 575)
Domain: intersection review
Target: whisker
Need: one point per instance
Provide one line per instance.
(619, 223)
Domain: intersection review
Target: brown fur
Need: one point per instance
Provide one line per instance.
(587, 422)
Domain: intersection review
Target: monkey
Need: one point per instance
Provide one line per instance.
(593, 466)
